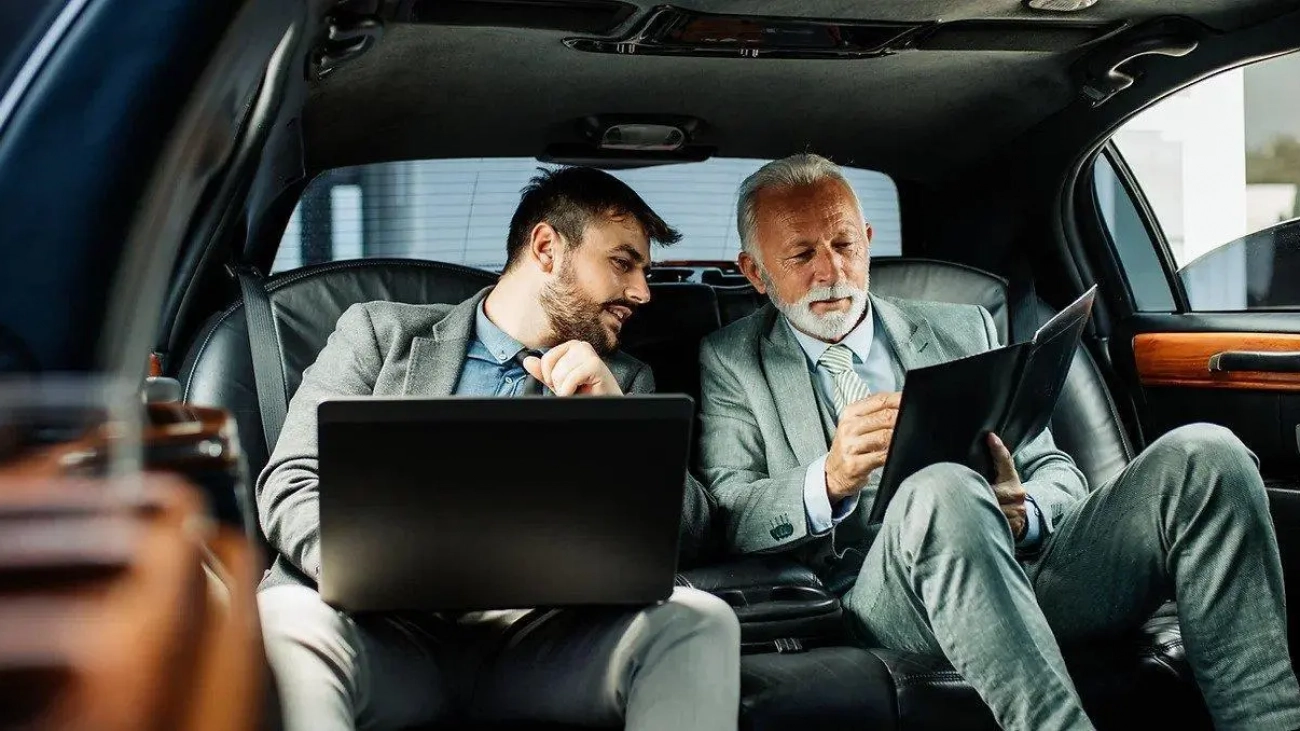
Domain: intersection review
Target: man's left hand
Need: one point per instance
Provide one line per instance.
(1010, 493)
(573, 368)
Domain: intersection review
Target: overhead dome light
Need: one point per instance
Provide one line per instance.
(660, 137)
(1060, 6)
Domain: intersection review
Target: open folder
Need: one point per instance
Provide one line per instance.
(947, 410)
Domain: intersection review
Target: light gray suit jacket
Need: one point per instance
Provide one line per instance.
(392, 349)
(760, 425)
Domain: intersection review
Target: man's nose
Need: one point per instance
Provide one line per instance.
(826, 267)
(639, 290)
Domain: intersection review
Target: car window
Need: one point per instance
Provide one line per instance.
(1219, 166)
(459, 210)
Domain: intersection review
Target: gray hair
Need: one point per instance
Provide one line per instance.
(788, 172)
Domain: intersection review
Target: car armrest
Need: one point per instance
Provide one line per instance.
(781, 604)
(749, 572)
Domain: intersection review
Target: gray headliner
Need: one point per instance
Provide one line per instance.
(436, 91)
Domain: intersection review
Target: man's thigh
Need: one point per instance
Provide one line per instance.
(1099, 573)
(882, 611)
(335, 671)
(577, 665)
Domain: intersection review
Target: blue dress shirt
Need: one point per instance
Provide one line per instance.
(873, 361)
(491, 367)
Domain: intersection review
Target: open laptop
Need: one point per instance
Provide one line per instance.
(456, 504)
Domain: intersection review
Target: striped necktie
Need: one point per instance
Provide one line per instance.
(849, 387)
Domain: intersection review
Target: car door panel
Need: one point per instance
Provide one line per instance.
(1167, 360)
(1219, 360)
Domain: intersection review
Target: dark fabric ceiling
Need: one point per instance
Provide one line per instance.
(437, 91)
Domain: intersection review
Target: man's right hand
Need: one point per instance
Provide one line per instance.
(861, 443)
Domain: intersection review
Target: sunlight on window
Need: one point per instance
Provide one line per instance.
(1219, 166)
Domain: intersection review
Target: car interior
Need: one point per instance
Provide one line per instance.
(154, 163)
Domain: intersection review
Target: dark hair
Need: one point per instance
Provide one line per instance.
(570, 198)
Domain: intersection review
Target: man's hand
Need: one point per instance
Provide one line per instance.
(860, 445)
(573, 368)
(1010, 493)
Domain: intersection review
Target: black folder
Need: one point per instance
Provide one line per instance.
(947, 410)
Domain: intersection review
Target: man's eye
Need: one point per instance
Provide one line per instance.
(844, 246)
(623, 265)
(803, 256)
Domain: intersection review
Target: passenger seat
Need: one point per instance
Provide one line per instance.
(788, 680)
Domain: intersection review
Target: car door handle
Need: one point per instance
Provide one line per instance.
(1259, 361)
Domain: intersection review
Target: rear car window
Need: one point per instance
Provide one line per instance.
(459, 210)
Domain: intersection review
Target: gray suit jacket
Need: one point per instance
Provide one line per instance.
(391, 349)
(760, 425)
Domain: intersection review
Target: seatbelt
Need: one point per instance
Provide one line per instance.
(264, 348)
(1023, 304)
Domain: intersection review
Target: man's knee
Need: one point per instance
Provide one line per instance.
(945, 488)
(690, 618)
(700, 616)
(1206, 469)
(1208, 454)
(950, 500)
(1207, 440)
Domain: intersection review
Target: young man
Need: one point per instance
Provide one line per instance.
(578, 249)
(798, 408)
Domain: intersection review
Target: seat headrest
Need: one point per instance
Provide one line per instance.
(666, 334)
(308, 303)
(942, 281)
(218, 369)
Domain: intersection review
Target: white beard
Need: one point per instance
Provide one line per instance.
(832, 326)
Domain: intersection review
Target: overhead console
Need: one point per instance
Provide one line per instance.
(671, 31)
(618, 27)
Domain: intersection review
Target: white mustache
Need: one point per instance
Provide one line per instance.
(839, 290)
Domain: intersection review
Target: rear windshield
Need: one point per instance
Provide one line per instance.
(459, 210)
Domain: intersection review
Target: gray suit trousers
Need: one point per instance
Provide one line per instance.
(1187, 519)
(669, 667)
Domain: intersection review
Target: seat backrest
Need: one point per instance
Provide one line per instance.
(218, 369)
(666, 334)
(1087, 423)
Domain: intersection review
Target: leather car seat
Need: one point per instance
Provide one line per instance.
(1148, 667)
(829, 686)
(218, 369)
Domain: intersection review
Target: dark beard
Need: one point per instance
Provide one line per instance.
(573, 316)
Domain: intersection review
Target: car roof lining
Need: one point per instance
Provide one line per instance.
(437, 91)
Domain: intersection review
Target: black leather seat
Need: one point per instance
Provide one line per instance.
(218, 368)
(826, 684)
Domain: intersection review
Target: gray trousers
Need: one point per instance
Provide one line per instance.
(669, 667)
(1187, 519)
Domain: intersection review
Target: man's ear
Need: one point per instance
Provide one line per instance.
(749, 267)
(870, 233)
(543, 246)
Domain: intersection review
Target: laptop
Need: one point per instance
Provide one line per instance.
(459, 504)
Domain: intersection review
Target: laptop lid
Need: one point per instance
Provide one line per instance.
(448, 504)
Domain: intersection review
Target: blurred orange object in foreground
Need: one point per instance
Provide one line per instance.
(124, 612)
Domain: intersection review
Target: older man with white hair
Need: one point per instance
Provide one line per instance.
(797, 413)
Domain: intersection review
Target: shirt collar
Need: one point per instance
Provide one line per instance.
(858, 340)
(499, 345)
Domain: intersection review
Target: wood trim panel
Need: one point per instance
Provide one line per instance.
(1182, 359)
